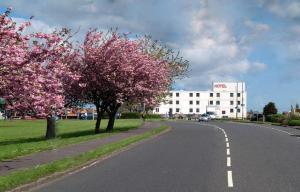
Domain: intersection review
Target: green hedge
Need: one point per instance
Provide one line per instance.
(294, 123)
(130, 115)
(152, 116)
(278, 118)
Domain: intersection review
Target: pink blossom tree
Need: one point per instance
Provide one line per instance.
(114, 70)
(33, 70)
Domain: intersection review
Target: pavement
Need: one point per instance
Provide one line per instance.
(28, 161)
(214, 156)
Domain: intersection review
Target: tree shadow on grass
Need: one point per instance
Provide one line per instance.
(69, 135)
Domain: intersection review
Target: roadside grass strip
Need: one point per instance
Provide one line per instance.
(61, 167)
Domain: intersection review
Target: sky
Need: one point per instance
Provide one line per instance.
(256, 41)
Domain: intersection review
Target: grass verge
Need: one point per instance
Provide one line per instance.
(23, 137)
(25, 176)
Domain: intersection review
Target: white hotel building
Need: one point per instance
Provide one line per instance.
(226, 100)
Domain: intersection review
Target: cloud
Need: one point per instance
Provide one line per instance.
(36, 25)
(215, 52)
(257, 27)
(288, 9)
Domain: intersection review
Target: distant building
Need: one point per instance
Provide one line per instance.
(225, 99)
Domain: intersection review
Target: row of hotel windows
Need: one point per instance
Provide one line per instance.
(210, 102)
(191, 110)
(210, 94)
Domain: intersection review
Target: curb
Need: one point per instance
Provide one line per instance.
(59, 175)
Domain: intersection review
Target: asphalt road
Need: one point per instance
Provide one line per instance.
(196, 156)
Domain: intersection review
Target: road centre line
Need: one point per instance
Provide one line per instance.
(229, 177)
(229, 172)
(228, 162)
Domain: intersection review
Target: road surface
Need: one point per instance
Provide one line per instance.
(198, 157)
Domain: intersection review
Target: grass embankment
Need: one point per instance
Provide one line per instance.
(22, 137)
(30, 175)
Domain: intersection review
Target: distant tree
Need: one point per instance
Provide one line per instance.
(297, 106)
(270, 109)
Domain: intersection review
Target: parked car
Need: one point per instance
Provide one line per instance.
(204, 117)
(212, 115)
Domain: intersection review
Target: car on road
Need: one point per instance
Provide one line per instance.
(212, 115)
(204, 117)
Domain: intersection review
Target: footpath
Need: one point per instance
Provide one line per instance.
(48, 156)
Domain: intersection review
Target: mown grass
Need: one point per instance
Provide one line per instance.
(22, 137)
(21, 177)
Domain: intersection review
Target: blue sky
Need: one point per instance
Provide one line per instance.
(257, 41)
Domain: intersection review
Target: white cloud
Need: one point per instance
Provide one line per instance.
(289, 9)
(257, 27)
(215, 53)
(36, 25)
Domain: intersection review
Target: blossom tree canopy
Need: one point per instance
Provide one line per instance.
(115, 69)
(34, 70)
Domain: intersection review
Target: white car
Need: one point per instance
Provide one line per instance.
(212, 115)
(204, 117)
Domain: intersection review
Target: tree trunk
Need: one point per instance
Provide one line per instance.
(111, 122)
(112, 117)
(51, 127)
(98, 120)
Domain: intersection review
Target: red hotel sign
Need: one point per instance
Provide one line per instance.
(220, 86)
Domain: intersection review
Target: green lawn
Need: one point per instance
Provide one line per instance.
(21, 137)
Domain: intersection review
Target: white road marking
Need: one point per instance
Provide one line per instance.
(228, 162)
(229, 173)
(229, 176)
(228, 151)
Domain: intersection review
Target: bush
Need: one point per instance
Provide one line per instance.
(294, 117)
(152, 116)
(278, 118)
(130, 115)
(294, 123)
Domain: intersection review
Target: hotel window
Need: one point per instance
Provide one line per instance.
(177, 102)
(231, 111)
(157, 110)
(171, 94)
(231, 103)
(218, 94)
(191, 110)
(177, 110)
(211, 102)
(231, 94)
(197, 110)
(239, 102)
(171, 102)
(191, 94)
(177, 94)
(197, 102)
(211, 94)
(191, 102)
(197, 94)
(238, 94)
(223, 112)
(217, 102)
(238, 110)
